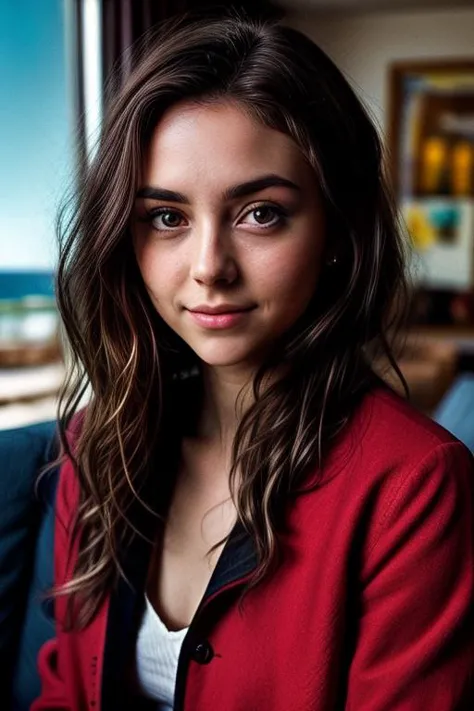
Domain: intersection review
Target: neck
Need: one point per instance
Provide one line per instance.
(227, 393)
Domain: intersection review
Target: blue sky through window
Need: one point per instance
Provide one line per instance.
(36, 139)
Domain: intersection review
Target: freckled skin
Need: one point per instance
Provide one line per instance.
(211, 250)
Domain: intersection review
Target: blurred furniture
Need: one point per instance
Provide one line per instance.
(455, 412)
(22, 414)
(31, 367)
(23, 384)
(26, 561)
(29, 395)
(429, 368)
(28, 331)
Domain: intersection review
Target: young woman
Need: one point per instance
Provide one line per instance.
(247, 518)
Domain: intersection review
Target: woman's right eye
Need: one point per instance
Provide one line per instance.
(165, 219)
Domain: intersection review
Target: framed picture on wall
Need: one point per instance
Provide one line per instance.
(431, 128)
(442, 233)
(431, 146)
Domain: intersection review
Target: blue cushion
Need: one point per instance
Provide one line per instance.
(38, 620)
(23, 452)
(456, 410)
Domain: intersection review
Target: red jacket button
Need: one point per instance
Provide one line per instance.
(202, 653)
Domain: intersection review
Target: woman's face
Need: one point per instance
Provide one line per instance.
(228, 231)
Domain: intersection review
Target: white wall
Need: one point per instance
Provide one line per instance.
(363, 45)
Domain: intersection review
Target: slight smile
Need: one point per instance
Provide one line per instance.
(219, 317)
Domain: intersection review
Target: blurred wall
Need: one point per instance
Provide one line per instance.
(35, 135)
(363, 45)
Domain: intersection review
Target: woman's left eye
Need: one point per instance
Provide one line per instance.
(265, 216)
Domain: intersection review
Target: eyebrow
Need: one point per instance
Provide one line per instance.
(237, 191)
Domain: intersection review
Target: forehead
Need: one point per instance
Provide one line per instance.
(216, 143)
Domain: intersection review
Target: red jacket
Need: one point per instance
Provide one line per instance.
(370, 609)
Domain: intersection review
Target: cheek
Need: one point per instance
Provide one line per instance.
(159, 271)
(291, 273)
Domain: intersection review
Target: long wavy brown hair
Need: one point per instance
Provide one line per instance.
(131, 362)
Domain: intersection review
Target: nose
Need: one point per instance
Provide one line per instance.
(213, 259)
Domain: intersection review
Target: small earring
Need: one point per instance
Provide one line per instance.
(332, 261)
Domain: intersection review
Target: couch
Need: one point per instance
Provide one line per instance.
(26, 561)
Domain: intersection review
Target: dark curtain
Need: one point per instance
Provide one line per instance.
(125, 21)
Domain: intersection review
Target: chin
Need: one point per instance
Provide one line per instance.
(223, 362)
(224, 357)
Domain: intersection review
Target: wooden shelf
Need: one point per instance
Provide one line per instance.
(462, 337)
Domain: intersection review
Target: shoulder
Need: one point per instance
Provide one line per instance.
(390, 456)
(395, 486)
(384, 413)
(387, 432)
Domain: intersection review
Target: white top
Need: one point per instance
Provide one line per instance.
(157, 654)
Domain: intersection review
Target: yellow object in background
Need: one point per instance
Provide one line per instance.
(434, 165)
(421, 231)
(462, 170)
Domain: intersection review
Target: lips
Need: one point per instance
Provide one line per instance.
(220, 309)
(221, 317)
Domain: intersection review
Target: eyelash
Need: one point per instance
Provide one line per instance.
(281, 216)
